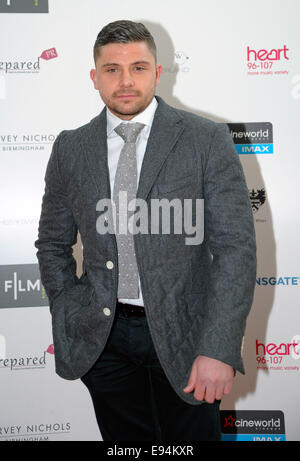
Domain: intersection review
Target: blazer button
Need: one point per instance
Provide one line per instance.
(109, 264)
(106, 311)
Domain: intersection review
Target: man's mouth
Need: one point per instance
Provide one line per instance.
(126, 95)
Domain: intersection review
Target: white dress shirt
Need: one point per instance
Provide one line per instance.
(115, 144)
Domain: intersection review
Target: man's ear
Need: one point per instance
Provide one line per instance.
(93, 78)
(158, 73)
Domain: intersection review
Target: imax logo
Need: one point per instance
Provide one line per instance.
(24, 6)
(256, 149)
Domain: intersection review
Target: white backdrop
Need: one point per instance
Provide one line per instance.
(229, 60)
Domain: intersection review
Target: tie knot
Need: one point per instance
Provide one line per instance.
(129, 131)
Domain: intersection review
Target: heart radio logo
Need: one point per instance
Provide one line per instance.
(261, 61)
(276, 54)
(278, 356)
(274, 349)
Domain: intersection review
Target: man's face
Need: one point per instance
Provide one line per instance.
(126, 77)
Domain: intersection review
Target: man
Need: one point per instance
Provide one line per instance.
(154, 326)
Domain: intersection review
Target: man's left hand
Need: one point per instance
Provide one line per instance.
(210, 379)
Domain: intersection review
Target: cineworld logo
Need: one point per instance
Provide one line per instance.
(252, 137)
(252, 425)
(20, 286)
(24, 6)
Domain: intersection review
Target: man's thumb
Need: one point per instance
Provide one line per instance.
(191, 382)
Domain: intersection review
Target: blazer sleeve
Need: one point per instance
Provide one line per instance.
(229, 231)
(57, 232)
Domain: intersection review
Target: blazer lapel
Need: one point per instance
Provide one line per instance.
(95, 151)
(166, 128)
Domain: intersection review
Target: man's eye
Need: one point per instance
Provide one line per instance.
(139, 68)
(112, 70)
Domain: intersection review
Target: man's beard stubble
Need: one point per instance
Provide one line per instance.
(139, 107)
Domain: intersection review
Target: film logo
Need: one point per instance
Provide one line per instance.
(24, 6)
(20, 286)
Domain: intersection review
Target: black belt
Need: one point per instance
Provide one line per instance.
(130, 310)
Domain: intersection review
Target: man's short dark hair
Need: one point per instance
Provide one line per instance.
(124, 32)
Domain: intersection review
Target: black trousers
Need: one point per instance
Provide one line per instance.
(132, 397)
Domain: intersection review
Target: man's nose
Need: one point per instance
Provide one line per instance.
(126, 79)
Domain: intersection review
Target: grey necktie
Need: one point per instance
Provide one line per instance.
(126, 181)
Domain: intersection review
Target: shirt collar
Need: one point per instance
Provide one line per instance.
(145, 117)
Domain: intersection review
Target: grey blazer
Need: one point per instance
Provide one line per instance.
(197, 297)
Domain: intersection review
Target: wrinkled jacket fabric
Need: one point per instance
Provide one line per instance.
(197, 297)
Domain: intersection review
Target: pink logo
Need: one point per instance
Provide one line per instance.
(265, 55)
(272, 348)
(50, 349)
(49, 54)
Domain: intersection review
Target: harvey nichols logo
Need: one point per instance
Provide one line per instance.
(24, 6)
